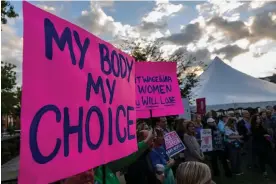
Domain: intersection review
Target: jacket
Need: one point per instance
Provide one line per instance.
(192, 151)
(117, 165)
(241, 127)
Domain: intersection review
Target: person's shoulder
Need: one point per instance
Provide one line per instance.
(240, 121)
(227, 129)
(186, 135)
(153, 152)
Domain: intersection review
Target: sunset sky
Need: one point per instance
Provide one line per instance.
(243, 34)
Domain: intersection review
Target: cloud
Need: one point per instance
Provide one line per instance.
(157, 19)
(220, 8)
(230, 51)
(190, 33)
(11, 50)
(50, 9)
(97, 22)
(106, 3)
(201, 55)
(264, 26)
(257, 67)
(235, 30)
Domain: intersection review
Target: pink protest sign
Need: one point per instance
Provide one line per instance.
(74, 114)
(157, 89)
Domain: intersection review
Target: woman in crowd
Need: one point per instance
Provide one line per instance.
(180, 128)
(262, 143)
(193, 173)
(110, 168)
(192, 151)
(198, 127)
(159, 157)
(218, 152)
(146, 174)
(233, 142)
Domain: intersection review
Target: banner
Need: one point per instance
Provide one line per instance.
(206, 140)
(201, 106)
(187, 112)
(173, 144)
(74, 114)
(157, 89)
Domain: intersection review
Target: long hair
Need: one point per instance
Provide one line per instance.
(231, 123)
(253, 122)
(189, 123)
(193, 173)
(179, 125)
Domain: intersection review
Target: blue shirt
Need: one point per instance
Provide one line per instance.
(197, 131)
(221, 126)
(158, 156)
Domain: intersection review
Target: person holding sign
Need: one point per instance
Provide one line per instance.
(192, 151)
(146, 174)
(111, 168)
(262, 145)
(233, 140)
(198, 127)
(158, 156)
(218, 149)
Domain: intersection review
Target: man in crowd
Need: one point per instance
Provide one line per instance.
(218, 152)
(222, 121)
(273, 123)
(162, 124)
(244, 129)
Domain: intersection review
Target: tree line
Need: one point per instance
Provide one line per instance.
(11, 93)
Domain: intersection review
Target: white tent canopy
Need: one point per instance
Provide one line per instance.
(225, 87)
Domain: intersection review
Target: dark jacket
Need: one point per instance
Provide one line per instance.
(141, 171)
(259, 142)
(243, 130)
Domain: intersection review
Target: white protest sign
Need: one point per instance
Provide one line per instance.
(206, 140)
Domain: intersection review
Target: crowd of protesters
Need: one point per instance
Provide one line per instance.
(233, 135)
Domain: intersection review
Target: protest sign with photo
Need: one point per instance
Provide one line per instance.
(206, 140)
(173, 144)
(74, 114)
(157, 89)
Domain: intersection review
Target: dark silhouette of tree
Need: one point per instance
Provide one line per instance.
(10, 94)
(7, 11)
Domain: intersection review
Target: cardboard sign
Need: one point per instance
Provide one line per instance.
(157, 89)
(173, 144)
(206, 140)
(201, 106)
(74, 114)
(187, 113)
